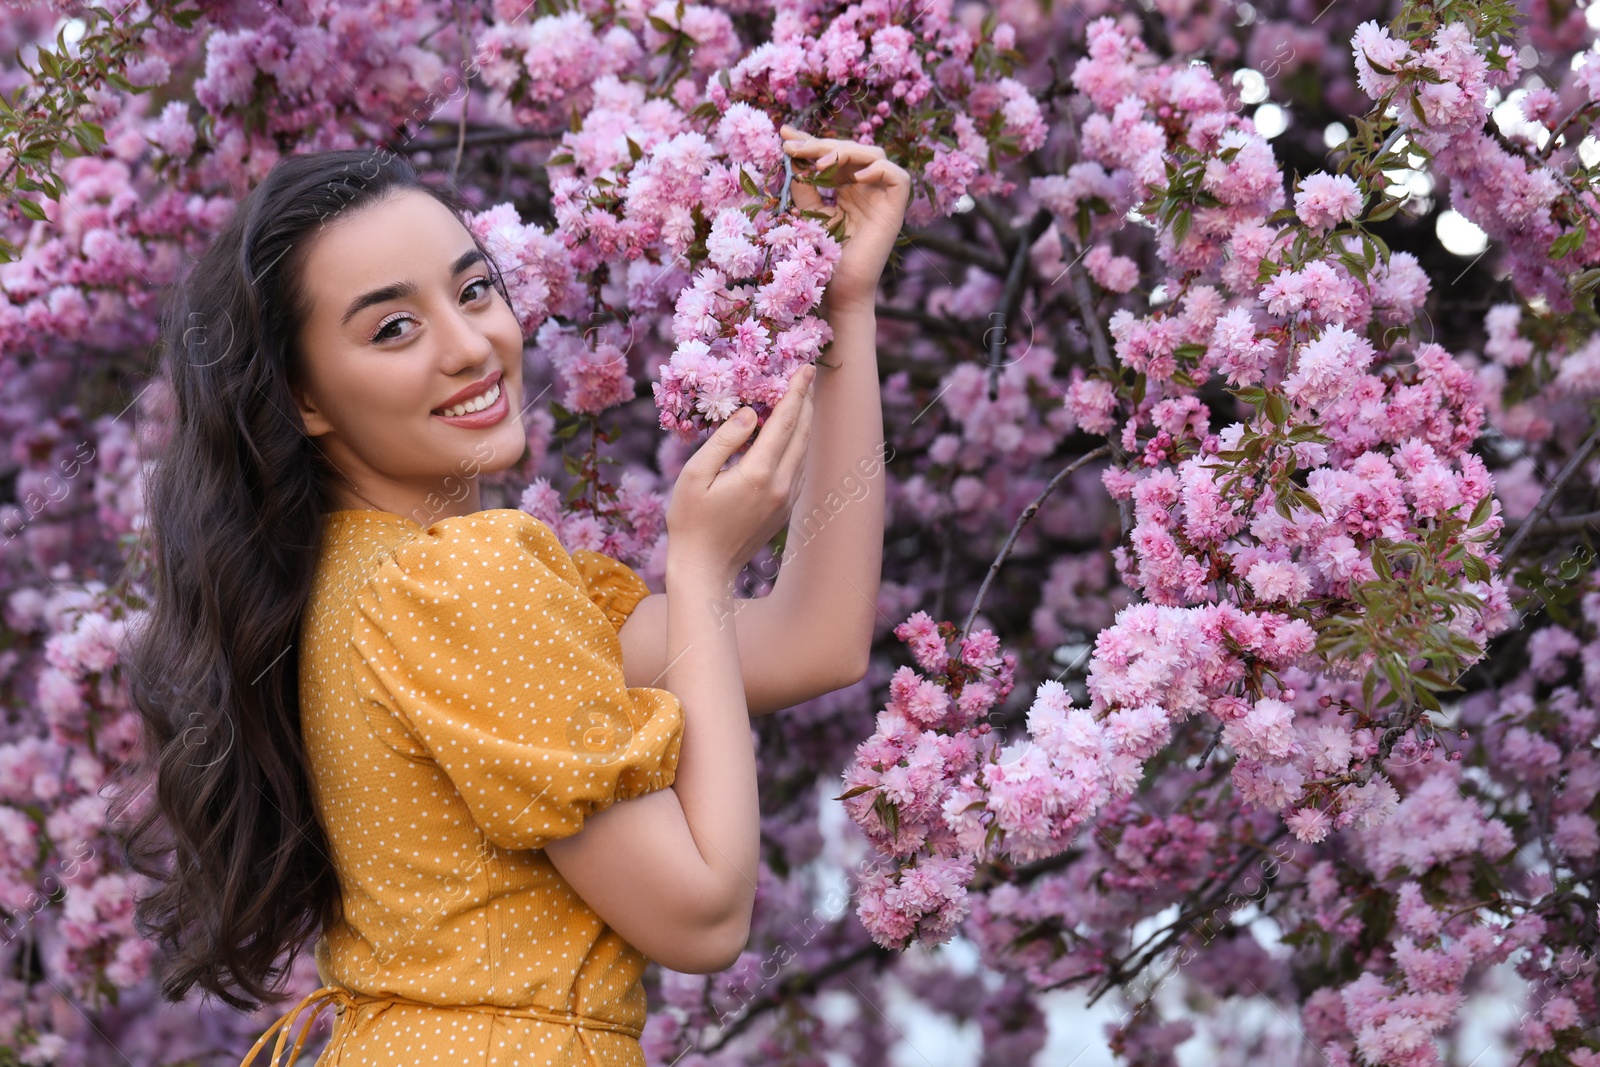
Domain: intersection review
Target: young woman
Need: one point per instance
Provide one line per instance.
(494, 778)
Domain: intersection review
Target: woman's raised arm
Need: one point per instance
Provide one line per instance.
(674, 871)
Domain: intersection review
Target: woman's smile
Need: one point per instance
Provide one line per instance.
(483, 410)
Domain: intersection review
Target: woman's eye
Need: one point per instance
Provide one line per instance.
(383, 333)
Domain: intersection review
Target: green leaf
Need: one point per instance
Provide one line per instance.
(1180, 228)
(1391, 670)
(1567, 243)
(1306, 500)
(634, 151)
(1380, 244)
(1481, 512)
(1389, 206)
(1432, 680)
(747, 183)
(855, 792)
(31, 209)
(1277, 409)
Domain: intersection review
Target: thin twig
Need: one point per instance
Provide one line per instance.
(466, 95)
(940, 323)
(1559, 128)
(1561, 524)
(1221, 892)
(788, 184)
(1091, 325)
(1022, 520)
(1102, 359)
(800, 983)
(1577, 197)
(957, 250)
(1011, 296)
(496, 137)
(1549, 497)
(1002, 230)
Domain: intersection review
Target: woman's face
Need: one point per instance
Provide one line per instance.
(404, 318)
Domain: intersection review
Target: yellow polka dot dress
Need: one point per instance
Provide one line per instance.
(463, 703)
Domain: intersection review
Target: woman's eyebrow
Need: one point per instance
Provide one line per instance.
(396, 290)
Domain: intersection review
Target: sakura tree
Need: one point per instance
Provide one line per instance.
(1239, 643)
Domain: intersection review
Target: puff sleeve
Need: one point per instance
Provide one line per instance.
(480, 634)
(615, 588)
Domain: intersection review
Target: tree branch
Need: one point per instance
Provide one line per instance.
(1022, 520)
(1577, 197)
(1561, 524)
(957, 250)
(804, 982)
(1509, 552)
(940, 323)
(1091, 325)
(1011, 296)
(494, 137)
(1102, 359)
(466, 95)
(1221, 892)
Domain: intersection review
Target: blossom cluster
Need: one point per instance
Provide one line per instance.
(904, 786)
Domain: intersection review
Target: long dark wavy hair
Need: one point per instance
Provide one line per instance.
(235, 506)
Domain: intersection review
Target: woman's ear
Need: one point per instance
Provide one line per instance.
(315, 422)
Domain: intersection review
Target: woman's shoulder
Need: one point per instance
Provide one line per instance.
(496, 552)
(492, 526)
(478, 545)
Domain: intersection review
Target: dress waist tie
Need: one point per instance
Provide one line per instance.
(330, 994)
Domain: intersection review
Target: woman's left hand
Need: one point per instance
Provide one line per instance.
(872, 193)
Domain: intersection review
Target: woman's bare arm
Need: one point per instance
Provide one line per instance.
(812, 633)
(674, 872)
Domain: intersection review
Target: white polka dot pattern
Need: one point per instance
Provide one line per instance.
(462, 702)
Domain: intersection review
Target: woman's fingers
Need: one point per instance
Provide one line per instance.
(877, 170)
(761, 464)
(791, 466)
(825, 151)
(721, 445)
(806, 196)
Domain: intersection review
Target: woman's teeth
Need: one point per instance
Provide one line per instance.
(477, 403)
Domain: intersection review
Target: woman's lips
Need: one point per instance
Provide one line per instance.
(478, 420)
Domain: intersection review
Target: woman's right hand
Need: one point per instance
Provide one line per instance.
(717, 520)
